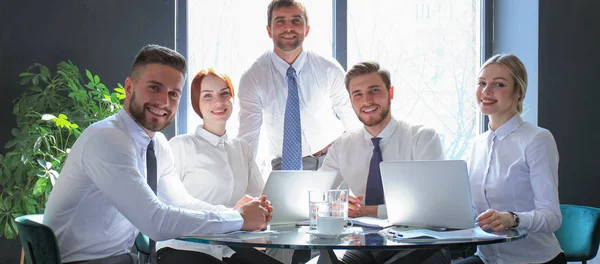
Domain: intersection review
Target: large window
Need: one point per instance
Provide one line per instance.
(431, 47)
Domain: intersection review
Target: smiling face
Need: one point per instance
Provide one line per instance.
(371, 101)
(496, 94)
(153, 96)
(216, 101)
(288, 28)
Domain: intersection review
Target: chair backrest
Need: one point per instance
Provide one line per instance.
(38, 240)
(579, 233)
(142, 243)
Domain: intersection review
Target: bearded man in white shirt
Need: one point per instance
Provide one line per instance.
(352, 155)
(325, 111)
(102, 200)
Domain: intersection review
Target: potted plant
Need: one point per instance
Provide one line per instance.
(50, 115)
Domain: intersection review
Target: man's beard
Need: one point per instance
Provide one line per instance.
(289, 46)
(139, 115)
(384, 113)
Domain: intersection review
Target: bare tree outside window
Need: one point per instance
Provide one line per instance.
(431, 49)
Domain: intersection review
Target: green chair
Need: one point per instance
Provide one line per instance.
(142, 244)
(579, 234)
(38, 240)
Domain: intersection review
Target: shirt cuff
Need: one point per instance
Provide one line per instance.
(232, 221)
(382, 211)
(525, 220)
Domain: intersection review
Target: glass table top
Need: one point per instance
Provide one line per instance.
(293, 237)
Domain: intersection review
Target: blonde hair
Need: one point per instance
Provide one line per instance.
(196, 87)
(517, 69)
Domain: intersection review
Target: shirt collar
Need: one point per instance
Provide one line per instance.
(134, 130)
(210, 137)
(282, 66)
(386, 133)
(508, 127)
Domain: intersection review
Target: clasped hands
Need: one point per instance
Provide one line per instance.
(256, 212)
(357, 209)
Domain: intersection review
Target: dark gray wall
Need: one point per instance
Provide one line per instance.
(102, 36)
(569, 90)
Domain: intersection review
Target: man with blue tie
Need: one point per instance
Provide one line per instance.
(296, 95)
(356, 156)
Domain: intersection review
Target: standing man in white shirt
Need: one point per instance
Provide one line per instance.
(356, 156)
(297, 94)
(102, 198)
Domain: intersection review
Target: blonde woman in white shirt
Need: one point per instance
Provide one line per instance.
(513, 171)
(213, 168)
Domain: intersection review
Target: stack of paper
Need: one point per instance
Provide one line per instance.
(427, 234)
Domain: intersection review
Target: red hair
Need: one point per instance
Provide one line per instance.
(197, 83)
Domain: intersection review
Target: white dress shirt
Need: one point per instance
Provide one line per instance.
(324, 101)
(351, 154)
(515, 168)
(216, 170)
(101, 197)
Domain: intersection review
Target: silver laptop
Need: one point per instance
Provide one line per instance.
(428, 193)
(288, 193)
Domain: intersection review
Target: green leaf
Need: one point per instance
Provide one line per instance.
(44, 71)
(41, 162)
(96, 79)
(37, 89)
(26, 80)
(25, 74)
(9, 231)
(35, 80)
(89, 75)
(102, 86)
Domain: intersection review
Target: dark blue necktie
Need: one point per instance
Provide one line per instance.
(374, 194)
(151, 179)
(291, 158)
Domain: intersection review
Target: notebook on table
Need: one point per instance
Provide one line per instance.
(428, 194)
(288, 193)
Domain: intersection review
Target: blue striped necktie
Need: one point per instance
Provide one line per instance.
(291, 158)
(374, 194)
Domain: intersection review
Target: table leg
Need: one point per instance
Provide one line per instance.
(327, 256)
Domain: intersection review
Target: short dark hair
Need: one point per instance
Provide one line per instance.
(367, 67)
(284, 3)
(158, 54)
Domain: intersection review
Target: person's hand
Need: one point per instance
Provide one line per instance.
(244, 200)
(357, 209)
(254, 215)
(492, 220)
(267, 205)
(354, 205)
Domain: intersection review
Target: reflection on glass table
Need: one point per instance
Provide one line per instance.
(293, 237)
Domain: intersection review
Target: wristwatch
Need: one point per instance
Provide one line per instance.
(516, 219)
